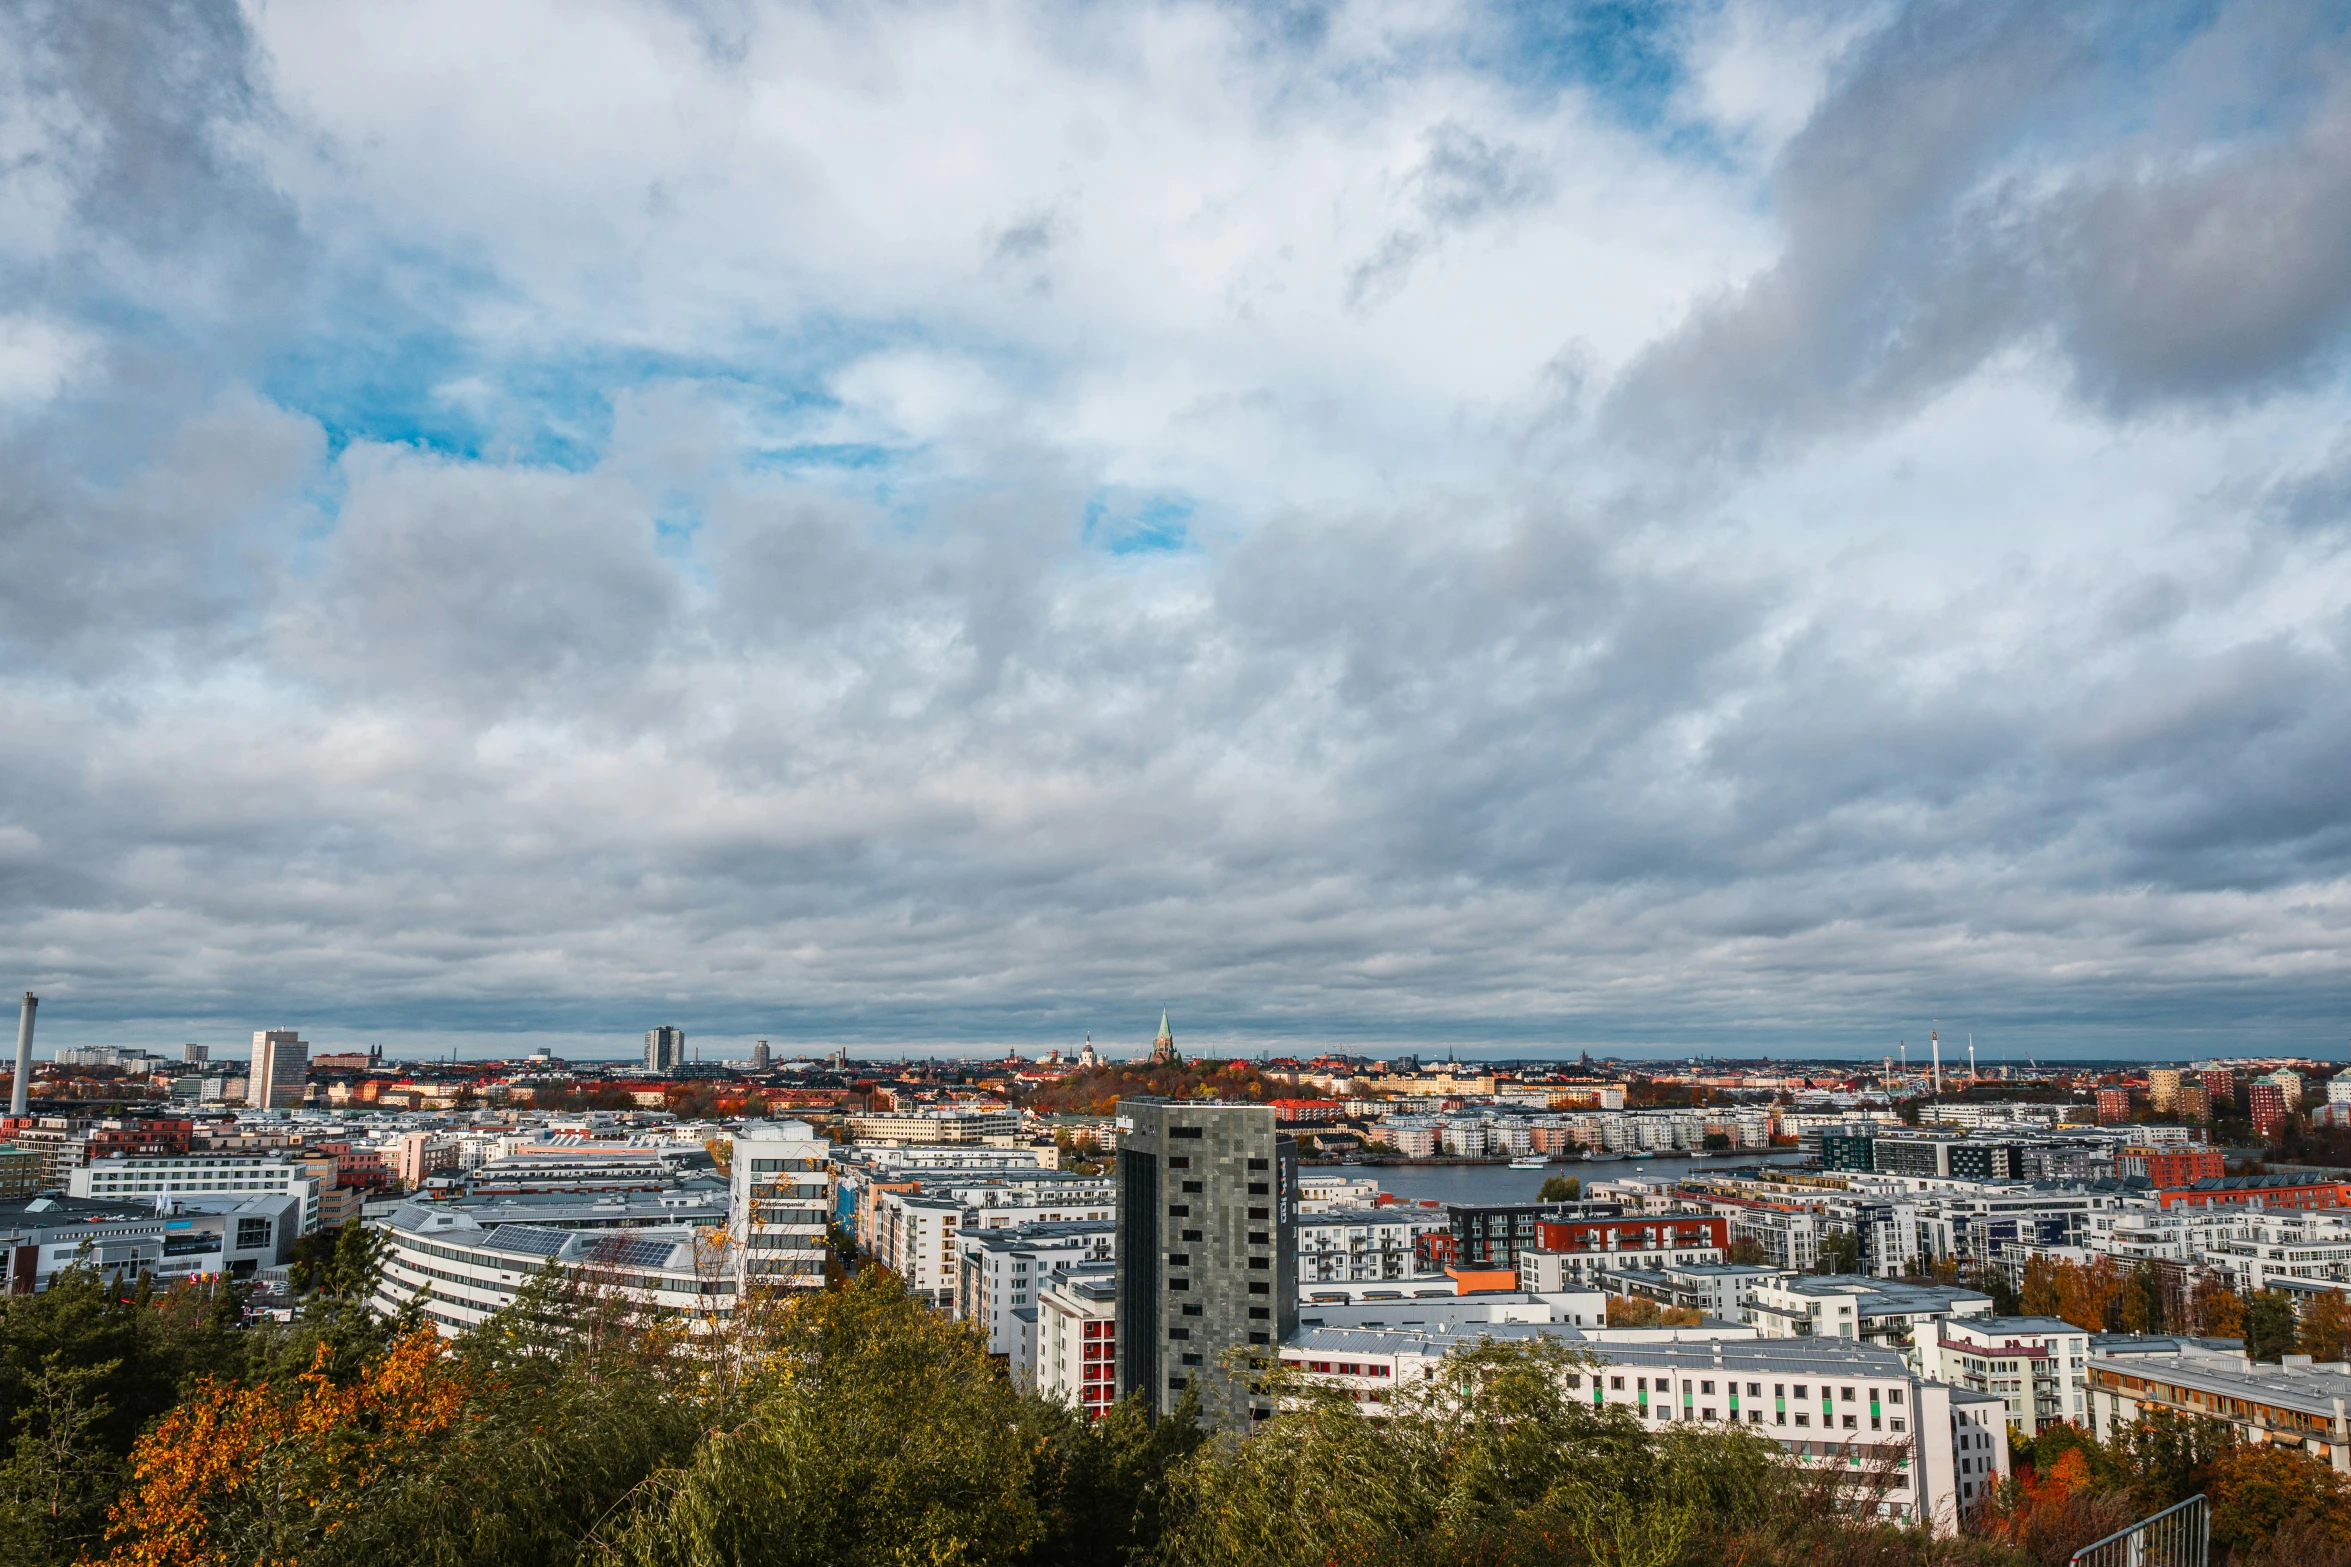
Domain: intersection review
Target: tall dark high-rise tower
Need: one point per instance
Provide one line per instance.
(665, 1048)
(1207, 1252)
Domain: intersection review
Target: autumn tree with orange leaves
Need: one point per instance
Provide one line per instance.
(266, 1473)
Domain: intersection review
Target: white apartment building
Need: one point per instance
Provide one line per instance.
(2295, 1404)
(460, 1272)
(1883, 1312)
(1077, 1337)
(2038, 1367)
(1321, 1192)
(1001, 1273)
(1341, 1245)
(2258, 1247)
(1914, 1449)
(779, 1205)
(159, 1178)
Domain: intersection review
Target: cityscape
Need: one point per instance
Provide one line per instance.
(1966, 1260)
(1192, 783)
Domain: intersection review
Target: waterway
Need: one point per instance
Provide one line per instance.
(1498, 1183)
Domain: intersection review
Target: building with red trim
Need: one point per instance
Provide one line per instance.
(2269, 1191)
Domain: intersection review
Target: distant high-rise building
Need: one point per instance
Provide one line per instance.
(2269, 1105)
(195, 1055)
(1207, 1252)
(2163, 1088)
(759, 1056)
(281, 1070)
(2192, 1102)
(665, 1048)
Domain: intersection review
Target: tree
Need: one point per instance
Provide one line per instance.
(2142, 1301)
(58, 1475)
(881, 1434)
(1747, 1252)
(1840, 1252)
(2260, 1491)
(2217, 1310)
(1561, 1188)
(2269, 1325)
(2325, 1330)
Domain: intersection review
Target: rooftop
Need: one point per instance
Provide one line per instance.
(2298, 1384)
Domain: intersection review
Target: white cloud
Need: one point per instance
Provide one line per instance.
(39, 358)
(698, 600)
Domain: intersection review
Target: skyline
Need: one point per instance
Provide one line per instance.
(1679, 527)
(591, 1048)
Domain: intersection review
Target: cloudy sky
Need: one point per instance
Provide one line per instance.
(1712, 526)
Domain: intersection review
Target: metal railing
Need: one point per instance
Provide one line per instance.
(2176, 1537)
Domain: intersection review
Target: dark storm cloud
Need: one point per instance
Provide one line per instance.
(1971, 184)
(137, 109)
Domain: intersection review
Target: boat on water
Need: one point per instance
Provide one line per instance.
(1643, 1154)
(1530, 1163)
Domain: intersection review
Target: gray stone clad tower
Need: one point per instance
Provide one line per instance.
(1207, 1251)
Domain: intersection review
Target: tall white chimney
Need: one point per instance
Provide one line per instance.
(21, 1093)
(1936, 1040)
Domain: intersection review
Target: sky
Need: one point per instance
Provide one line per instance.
(1670, 527)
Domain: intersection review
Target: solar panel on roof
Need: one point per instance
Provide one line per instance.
(528, 1237)
(618, 1253)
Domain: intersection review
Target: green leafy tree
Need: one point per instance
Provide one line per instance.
(59, 1473)
(2163, 1458)
(1840, 1252)
(1561, 1188)
(2269, 1325)
(881, 1433)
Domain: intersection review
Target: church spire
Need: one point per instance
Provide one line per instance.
(1163, 1049)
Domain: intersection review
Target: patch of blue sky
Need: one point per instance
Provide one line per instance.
(1122, 523)
(1625, 53)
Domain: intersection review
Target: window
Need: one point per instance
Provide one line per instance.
(1260, 1289)
(1706, 1388)
(1260, 1238)
(1850, 1422)
(1185, 1131)
(1803, 1420)
(1179, 1259)
(1894, 1396)
(1848, 1394)
(1191, 1359)
(1260, 1164)
(1179, 1333)
(1260, 1189)
(1194, 1186)
(1191, 1235)
(1179, 1162)
(1617, 1383)
(1799, 1390)
(1754, 1390)
(1192, 1311)
(1179, 1211)
(1179, 1284)
(1261, 1213)
(1256, 1313)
